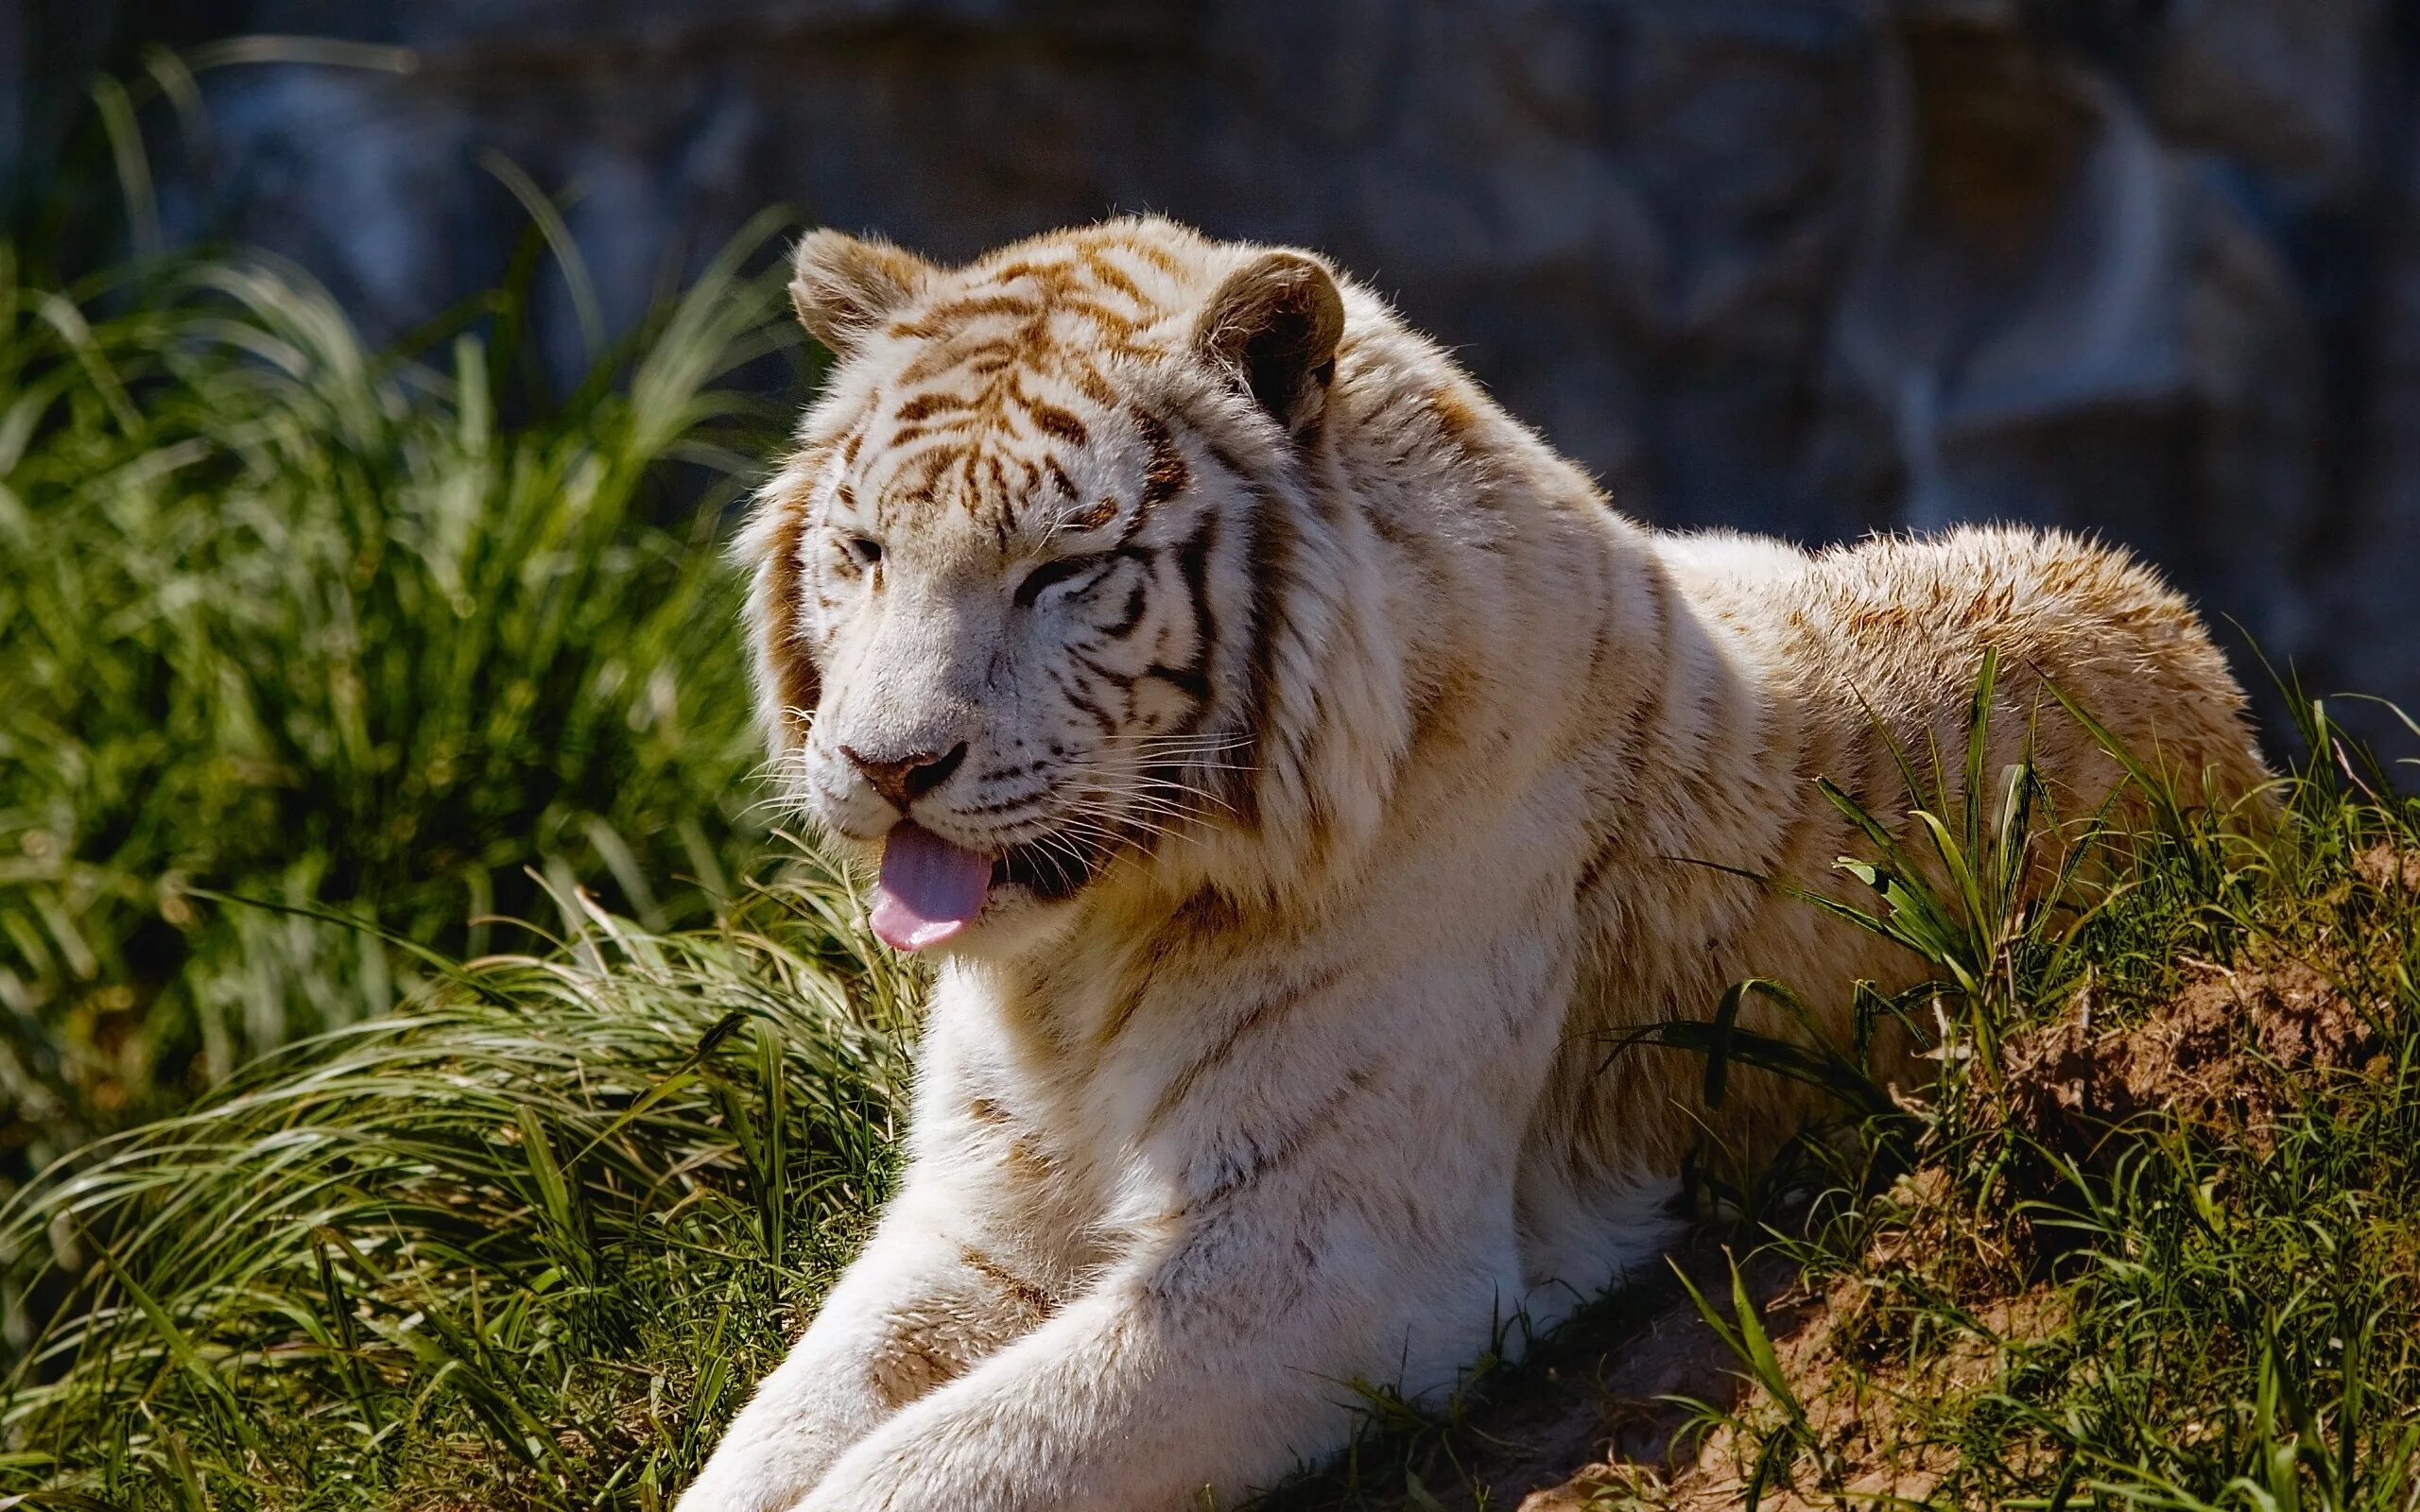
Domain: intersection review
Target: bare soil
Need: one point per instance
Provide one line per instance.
(2224, 1053)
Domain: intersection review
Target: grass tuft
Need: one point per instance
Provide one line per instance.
(366, 632)
(527, 1238)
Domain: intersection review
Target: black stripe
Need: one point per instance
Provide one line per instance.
(1193, 564)
(1192, 680)
(1132, 615)
(1271, 554)
(1121, 681)
(1073, 695)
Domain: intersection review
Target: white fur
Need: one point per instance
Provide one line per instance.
(1326, 1085)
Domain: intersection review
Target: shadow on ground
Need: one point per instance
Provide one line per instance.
(1598, 1391)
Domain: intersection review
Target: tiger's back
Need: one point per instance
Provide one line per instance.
(1857, 665)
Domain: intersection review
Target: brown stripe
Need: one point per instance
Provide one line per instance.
(1157, 257)
(797, 683)
(1251, 1158)
(1111, 326)
(1165, 475)
(1128, 999)
(1123, 682)
(924, 406)
(1055, 278)
(1263, 1010)
(1131, 615)
(1457, 417)
(1193, 564)
(1036, 1302)
(1056, 421)
(908, 1365)
(919, 471)
(1083, 705)
(1192, 681)
(1088, 380)
(940, 319)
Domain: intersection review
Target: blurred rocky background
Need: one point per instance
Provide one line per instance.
(2146, 268)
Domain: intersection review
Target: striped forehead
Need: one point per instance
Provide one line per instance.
(1003, 402)
(993, 489)
(1092, 285)
(1008, 474)
(1042, 305)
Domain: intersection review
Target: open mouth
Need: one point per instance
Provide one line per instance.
(1052, 871)
(930, 888)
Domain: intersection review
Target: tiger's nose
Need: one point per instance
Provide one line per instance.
(903, 779)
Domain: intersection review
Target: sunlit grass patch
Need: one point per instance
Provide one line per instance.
(291, 617)
(531, 1236)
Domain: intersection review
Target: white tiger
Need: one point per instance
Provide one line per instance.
(1301, 773)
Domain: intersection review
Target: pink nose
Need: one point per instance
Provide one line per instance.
(903, 779)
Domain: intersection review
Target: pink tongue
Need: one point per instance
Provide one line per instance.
(929, 889)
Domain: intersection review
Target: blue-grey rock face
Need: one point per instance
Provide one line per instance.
(1812, 267)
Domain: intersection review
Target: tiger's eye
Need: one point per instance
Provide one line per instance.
(1062, 570)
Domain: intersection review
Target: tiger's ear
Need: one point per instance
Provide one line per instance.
(843, 288)
(1274, 323)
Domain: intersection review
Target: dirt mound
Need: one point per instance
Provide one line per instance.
(2225, 1051)
(1858, 1442)
(1604, 1389)
(2388, 870)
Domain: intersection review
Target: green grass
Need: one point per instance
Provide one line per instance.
(520, 1243)
(379, 633)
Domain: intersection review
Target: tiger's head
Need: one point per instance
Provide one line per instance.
(1027, 596)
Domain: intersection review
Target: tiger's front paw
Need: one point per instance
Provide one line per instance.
(760, 1467)
(955, 1466)
(727, 1485)
(880, 1487)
